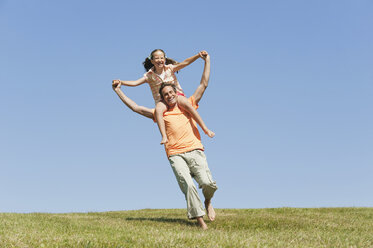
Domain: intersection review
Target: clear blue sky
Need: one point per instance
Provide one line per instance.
(290, 100)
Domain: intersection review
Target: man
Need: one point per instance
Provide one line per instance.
(184, 148)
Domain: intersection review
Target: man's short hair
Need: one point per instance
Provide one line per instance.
(165, 85)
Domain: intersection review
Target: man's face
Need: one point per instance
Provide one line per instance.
(169, 96)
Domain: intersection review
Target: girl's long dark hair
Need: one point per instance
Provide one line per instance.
(148, 64)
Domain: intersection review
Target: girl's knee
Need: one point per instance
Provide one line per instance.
(183, 102)
(160, 107)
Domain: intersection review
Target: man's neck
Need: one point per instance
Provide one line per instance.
(171, 107)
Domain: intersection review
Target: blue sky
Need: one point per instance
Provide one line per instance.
(290, 99)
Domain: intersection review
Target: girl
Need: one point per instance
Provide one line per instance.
(161, 69)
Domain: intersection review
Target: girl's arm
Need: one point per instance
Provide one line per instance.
(133, 83)
(147, 112)
(186, 62)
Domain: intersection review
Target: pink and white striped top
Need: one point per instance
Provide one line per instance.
(154, 80)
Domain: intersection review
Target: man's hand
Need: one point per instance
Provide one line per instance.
(116, 84)
(203, 55)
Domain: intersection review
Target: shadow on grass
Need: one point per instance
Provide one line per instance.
(164, 220)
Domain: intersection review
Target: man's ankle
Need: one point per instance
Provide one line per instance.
(202, 223)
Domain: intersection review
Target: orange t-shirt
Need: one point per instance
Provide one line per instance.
(182, 131)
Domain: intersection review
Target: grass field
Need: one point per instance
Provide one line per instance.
(280, 227)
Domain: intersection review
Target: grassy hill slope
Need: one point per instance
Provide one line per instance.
(280, 227)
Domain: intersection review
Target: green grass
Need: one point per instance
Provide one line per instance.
(280, 227)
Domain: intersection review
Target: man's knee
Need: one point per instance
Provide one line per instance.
(185, 182)
(209, 190)
(205, 180)
(189, 185)
(209, 186)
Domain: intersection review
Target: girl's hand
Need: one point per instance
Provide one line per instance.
(116, 84)
(203, 54)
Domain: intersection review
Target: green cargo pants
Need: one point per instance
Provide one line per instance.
(190, 165)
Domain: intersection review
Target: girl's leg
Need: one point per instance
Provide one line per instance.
(160, 108)
(183, 102)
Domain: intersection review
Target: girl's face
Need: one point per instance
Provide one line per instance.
(158, 59)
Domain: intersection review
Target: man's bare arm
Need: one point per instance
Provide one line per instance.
(147, 112)
(204, 80)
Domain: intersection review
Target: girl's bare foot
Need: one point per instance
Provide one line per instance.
(210, 210)
(210, 133)
(164, 141)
